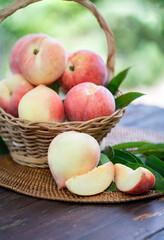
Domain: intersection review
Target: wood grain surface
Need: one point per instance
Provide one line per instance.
(23, 217)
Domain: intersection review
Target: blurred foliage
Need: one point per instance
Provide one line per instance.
(138, 27)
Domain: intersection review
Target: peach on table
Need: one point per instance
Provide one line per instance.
(70, 154)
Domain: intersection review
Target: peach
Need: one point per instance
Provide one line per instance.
(41, 104)
(84, 66)
(42, 60)
(70, 154)
(12, 89)
(93, 182)
(15, 53)
(87, 101)
(133, 181)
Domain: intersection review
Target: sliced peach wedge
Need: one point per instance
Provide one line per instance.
(92, 182)
(133, 181)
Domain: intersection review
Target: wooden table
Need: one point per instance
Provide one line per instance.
(27, 218)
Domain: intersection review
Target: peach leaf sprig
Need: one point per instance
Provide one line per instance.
(125, 99)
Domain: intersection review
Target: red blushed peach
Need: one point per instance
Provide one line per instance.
(12, 89)
(133, 181)
(15, 52)
(43, 60)
(84, 66)
(41, 104)
(70, 154)
(87, 101)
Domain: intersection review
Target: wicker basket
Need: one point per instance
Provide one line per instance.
(28, 141)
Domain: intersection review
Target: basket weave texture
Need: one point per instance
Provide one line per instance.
(27, 141)
(39, 182)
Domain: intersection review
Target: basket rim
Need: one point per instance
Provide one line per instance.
(28, 123)
(45, 124)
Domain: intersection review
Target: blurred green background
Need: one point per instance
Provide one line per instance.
(138, 27)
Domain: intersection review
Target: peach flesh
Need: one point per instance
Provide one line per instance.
(92, 182)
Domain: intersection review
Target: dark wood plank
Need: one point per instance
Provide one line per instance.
(21, 213)
(137, 222)
(159, 235)
(54, 220)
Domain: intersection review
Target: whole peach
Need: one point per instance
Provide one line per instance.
(15, 53)
(41, 104)
(86, 101)
(84, 66)
(70, 154)
(12, 89)
(43, 60)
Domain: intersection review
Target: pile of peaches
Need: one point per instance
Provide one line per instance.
(37, 61)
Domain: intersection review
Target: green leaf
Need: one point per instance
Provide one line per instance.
(116, 155)
(129, 145)
(119, 160)
(131, 157)
(126, 155)
(54, 86)
(3, 147)
(156, 164)
(148, 148)
(103, 159)
(116, 81)
(109, 152)
(139, 158)
(125, 99)
(157, 154)
(112, 187)
(159, 180)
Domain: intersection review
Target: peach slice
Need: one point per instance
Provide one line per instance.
(93, 182)
(133, 181)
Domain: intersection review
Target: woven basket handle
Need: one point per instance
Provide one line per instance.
(18, 4)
